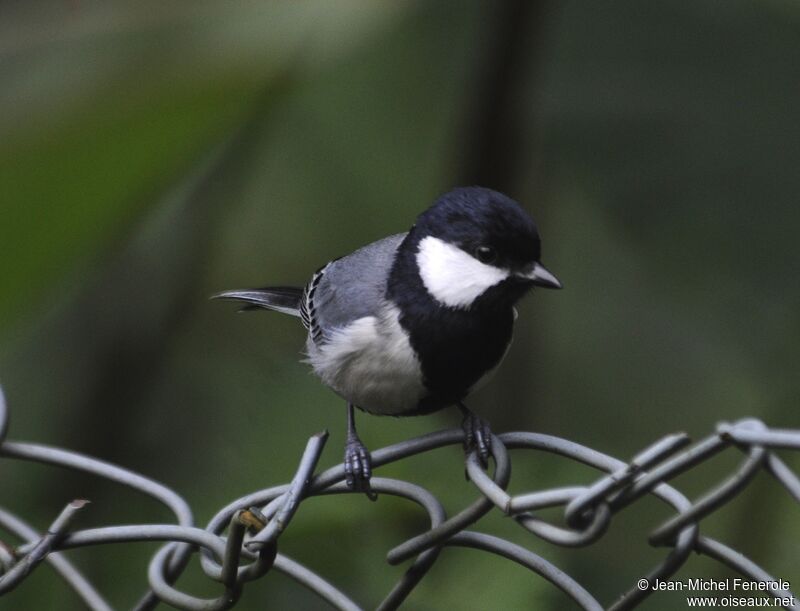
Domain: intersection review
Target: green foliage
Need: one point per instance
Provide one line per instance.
(72, 188)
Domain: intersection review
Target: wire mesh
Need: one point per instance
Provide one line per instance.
(240, 543)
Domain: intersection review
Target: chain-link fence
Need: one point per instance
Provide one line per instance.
(240, 542)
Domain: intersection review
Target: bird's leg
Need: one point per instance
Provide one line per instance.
(477, 434)
(357, 461)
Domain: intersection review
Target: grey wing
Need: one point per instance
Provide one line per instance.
(348, 288)
(308, 311)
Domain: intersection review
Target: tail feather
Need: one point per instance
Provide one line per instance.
(284, 299)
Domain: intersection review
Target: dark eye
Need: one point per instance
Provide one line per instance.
(486, 254)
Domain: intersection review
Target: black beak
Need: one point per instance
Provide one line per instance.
(540, 276)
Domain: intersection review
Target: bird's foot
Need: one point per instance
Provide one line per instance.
(358, 467)
(477, 435)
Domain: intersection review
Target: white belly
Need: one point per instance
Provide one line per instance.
(371, 364)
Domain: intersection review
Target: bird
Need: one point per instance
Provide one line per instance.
(414, 322)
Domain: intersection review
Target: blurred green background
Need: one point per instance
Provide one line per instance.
(152, 153)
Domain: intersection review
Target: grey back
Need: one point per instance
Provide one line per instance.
(354, 286)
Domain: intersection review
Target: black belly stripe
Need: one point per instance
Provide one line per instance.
(456, 346)
(456, 349)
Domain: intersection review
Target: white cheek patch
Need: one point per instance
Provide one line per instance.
(452, 276)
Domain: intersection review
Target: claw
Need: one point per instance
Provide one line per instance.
(477, 435)
(358, 467)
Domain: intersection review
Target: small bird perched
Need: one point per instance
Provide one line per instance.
(414, 322)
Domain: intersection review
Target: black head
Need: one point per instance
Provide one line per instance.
(485, 224)
(475, 245)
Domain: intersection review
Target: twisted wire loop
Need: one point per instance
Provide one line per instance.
(240, 543)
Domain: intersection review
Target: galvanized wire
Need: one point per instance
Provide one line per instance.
(240, 543)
